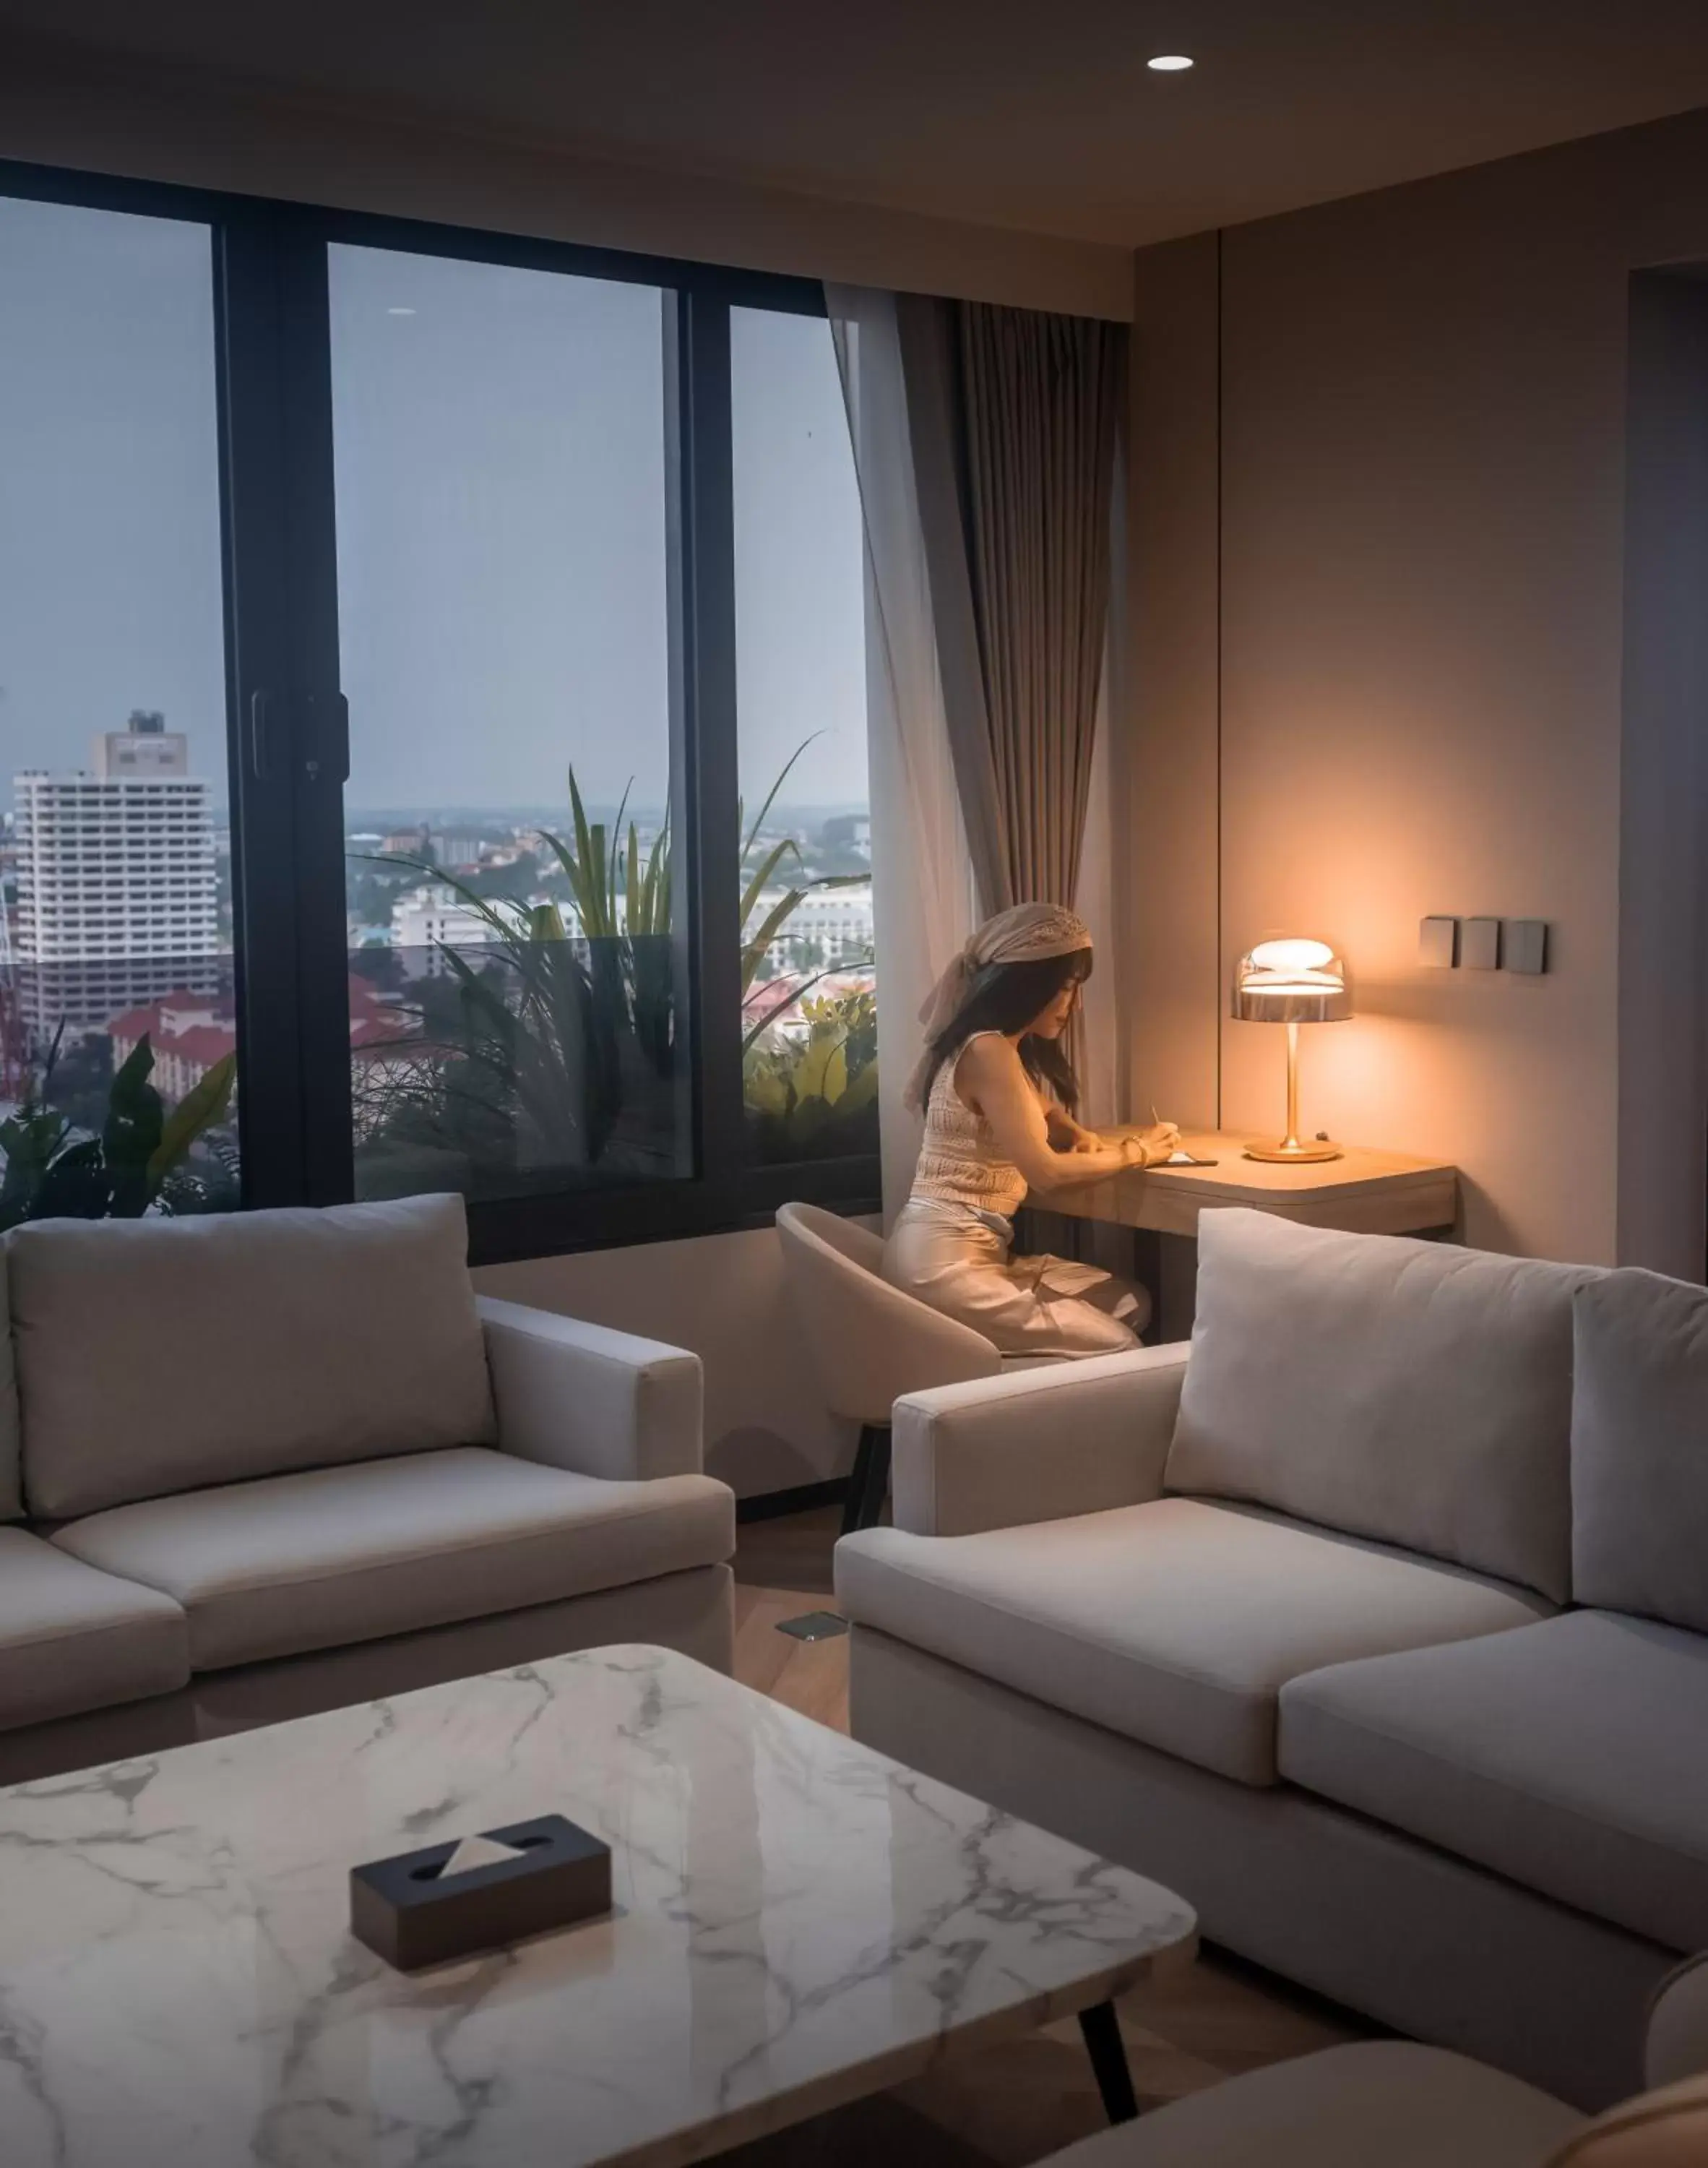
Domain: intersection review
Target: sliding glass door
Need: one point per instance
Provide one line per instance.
(502, 498)
(393, 622)
(118, 1001)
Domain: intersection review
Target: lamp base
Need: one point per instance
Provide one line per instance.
(1291, 1152)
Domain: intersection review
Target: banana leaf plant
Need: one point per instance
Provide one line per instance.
(53, 1173)
(814, 1093)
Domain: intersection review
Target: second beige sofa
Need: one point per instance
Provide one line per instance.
(1374, 1622)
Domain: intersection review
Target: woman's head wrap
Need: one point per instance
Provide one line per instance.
(1025, 935)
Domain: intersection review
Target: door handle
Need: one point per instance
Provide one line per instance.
(260, 737)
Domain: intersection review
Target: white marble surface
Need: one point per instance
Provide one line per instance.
(799, 1922)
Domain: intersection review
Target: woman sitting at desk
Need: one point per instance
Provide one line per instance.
(992, 1046)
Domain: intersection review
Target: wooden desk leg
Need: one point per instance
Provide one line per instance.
(1145, 1269)
(1176, 1285)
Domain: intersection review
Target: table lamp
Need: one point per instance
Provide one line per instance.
(1292, 982)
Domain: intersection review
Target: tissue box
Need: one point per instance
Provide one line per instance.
(407, 1913)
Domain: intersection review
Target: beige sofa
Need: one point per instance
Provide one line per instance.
(1376, 1622)
(258, 1465)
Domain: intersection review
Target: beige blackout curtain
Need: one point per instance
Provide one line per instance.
(1012, 416)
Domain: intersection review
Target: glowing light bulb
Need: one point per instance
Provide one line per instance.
(1292, 955)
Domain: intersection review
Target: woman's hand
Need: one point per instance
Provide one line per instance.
(1067, 1135)
(1152, 1146)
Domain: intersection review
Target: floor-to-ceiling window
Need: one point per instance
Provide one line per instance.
(810, 1005)
(433, 668)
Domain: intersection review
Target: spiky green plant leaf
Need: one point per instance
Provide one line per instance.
(767, 867)
(771, 795)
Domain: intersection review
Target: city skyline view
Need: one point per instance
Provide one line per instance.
(501, 520)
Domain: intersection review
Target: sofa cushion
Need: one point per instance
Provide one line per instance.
(1571, 1757)
(241, 1344)
(1409, 1391)
(1640, 1448)
(1377, 2104)
(299, 1562)
(72, 1638)
(1173, 1622)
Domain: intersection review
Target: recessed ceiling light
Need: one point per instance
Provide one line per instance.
(399, 313)
(1169, 63)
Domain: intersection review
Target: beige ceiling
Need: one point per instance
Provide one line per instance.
(1035, 114)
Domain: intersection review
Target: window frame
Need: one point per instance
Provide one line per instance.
(287, 730)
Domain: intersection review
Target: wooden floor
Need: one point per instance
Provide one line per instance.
(1012, 2106)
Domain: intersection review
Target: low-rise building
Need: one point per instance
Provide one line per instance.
(427, 921)
(829, 926)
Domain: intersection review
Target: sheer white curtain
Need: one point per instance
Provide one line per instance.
(922, 875)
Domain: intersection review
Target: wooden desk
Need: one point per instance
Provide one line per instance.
(1363, 1192)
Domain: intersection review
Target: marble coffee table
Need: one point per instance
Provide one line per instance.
(797, 1922)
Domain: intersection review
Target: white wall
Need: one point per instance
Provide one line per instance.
(1384, 673)
(723, 1296)
(62, 107)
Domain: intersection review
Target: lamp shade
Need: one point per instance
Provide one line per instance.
(1292, 982)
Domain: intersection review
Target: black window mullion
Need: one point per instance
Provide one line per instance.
(319, 726)
(287, 750)
(249, 309)
(705, 760)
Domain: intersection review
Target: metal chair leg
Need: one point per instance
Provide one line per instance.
(877, 1479)
(853, 1505)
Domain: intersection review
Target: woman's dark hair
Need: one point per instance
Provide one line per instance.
(1005, 997)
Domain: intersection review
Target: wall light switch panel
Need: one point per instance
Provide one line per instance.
(1479, 944)
(1526, 944)
(1438, 944)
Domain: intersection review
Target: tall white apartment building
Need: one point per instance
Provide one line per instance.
(117, 892)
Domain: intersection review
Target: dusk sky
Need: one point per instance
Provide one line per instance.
(499, 465)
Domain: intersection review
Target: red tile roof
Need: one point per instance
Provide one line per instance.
(202, 1045)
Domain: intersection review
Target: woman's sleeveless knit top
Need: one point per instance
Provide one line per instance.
(960, 1162)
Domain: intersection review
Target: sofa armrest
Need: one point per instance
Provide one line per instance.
(1037, 1445)
(582, 1397)
(1677, 2046)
